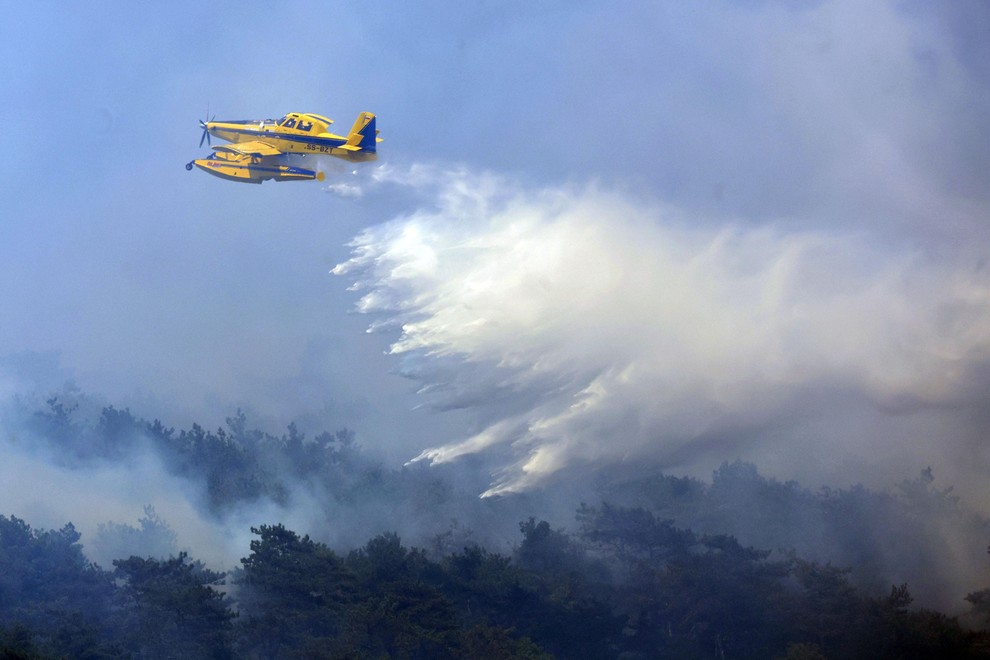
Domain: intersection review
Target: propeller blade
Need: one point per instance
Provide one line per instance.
(206, 133)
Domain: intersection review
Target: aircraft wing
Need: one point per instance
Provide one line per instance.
(254, 148)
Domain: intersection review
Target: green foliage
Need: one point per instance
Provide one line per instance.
(498, 644)
(151, 538)
(17, 643)
(691, 595)
(385, 600)
(671, 568)
(293, 592)
(629, 585)
(48, 587)
(116, 432)
(681, 591)
(57, 422)
(171, 608)
(805, 652)
(883, 537)
(980, 602)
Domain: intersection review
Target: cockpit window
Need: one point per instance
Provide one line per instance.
(305, 125)
(290, 123)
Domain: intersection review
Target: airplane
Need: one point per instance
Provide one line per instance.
(257, 150)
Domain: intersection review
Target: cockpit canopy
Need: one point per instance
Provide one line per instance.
(304, 122)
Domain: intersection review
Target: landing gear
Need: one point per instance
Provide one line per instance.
(189, 165)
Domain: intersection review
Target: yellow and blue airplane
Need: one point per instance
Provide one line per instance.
(258, 149)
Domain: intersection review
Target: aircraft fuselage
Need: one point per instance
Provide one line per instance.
(259, 149)
(289, 140)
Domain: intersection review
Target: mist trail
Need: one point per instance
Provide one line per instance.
(584, 327)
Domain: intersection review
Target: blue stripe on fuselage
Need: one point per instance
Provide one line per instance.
(303, 139)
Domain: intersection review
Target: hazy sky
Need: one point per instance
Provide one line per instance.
(690, 231)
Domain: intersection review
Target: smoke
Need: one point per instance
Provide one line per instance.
(342, 179)
(51, 482)
(586, 327)
(344, 189)
(90, 496)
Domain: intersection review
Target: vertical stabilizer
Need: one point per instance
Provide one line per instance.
(363, 132)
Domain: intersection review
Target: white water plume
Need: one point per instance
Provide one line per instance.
(584, 327)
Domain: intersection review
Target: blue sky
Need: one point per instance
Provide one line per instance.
(184, 297)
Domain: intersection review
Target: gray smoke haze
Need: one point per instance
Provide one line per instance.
(35, 487)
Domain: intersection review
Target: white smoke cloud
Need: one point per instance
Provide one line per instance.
(48, 486)
(586, 327)
(344, 190)
(48, 496)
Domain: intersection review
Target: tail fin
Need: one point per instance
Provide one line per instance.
(363, 133)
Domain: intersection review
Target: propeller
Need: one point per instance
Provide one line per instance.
(206, 130)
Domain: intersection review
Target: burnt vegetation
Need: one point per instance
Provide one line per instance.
(743, 567)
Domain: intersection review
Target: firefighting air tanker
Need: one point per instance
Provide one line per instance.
(259, 149)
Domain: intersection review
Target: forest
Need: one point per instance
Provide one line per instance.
(410, 563)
